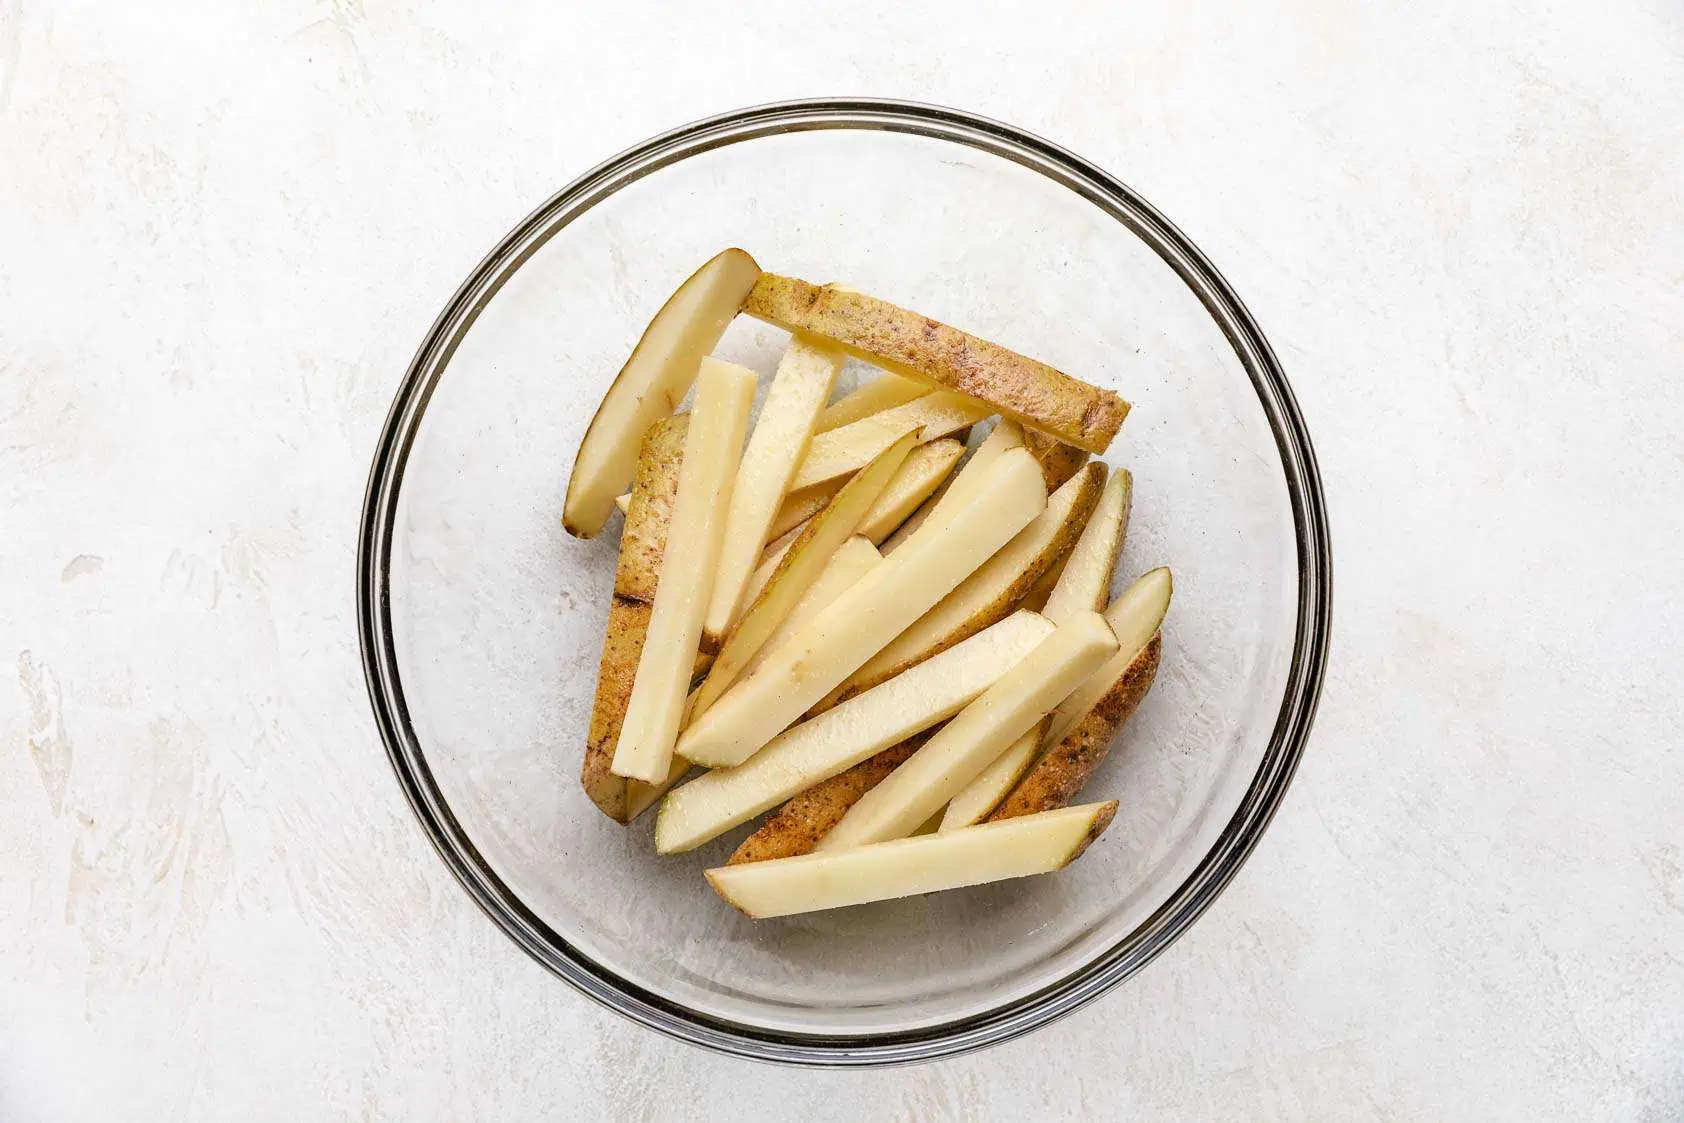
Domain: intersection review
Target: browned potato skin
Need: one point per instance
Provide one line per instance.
(919, 347)
(643, 543)
(799, 824)
(1055, 780)
(1058, 460)
(622, 646)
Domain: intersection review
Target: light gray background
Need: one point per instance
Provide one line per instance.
(223, 229)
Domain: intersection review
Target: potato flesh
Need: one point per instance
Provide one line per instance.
(1086, 579)
(777, 446)
(724, 396)
(658, 374)
(847, 449)
(886, 391)
(931, 564)
(1134, 617)
(988, 852)
(977, 735)
(983, 794)
(842, 737)
(1006, 435)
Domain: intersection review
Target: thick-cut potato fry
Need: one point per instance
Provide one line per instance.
(863, 620)
(776, 447)
(994, 783)
(818, 749)
(622, 645)
(640, 797)
(797, 569)
(712, 449)
(1085, 578)
(886, 391)
(1058, 460)
(798, 825)
(1057, 777)
(1134, 617)
(847, 449)
(921, 348)
(995, 589)
(643, 542)
(925, 469)
(654, 380)
(1007, 435)
(905, 867)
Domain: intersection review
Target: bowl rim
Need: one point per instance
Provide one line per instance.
(992, 1026)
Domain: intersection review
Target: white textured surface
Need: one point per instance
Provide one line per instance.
(223, 231)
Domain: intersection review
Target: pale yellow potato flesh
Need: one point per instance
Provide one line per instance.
(1134, 618)
(660, 371)
(931, 564)
(712, 449)
(924, 470)
(837, 740)
(886, 391)
(847, 449)
(983, 794)
(1008, 434)
(853, 560)
(924, 349)
(1086, 578)
(776, 447)
(988, 852)
(995, 588)
(797, 569)
(623, 501)
(640, 797)
(977, 735)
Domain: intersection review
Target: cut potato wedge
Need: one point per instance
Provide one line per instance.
(853, 560)
(925, 468)
(886, 391)
(1134, 617)
(798, 825)
(1058, 774)
(776, 447)
(654, 380)
(847, 449)
(1085, 581)
(816, 750)
(994, 590)
(643, 542)
(994, 783)
(640, 797)
(980, 732)
(799, 506)
(712, 449)
(1058, 460)
(1008, 434)
(921, 348)
(931, 564)
(797, 569)
(906, 867)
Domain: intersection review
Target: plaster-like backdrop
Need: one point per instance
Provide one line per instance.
(223, 229)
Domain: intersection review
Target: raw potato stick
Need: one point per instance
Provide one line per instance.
(1058, 460)
(847, 449)
(886, 391)
(1134, 617)
(916, 346)
(905, 867)
(1085, 580)
(1057, 778)
(654, 380)
(1005, 436)
(803, 821)
(995, 782)
(712, 449)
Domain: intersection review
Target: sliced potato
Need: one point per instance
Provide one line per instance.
(1056, 778)
(1085, 580)
(886, 391)
(623, 501)
(1008, 434)
(816, 750)
(859, 623)
(799, 506)
(1058, 460)
(654, 380)
(906, 867)
(1134, 617)
(640, 797)
(978, 734)
(643, 542)
(853, 560)
(983, 794)
(724, 396)
(847, 449)
(925, 468)
(778, 444)
(919, 347)
(799, 824)
(996, 588)
(797, 569)
(622, 646)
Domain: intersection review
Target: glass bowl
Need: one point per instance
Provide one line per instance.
(481, 620)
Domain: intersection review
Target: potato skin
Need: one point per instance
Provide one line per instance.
(643, 543)
(622, 647)
(797, 826)
(1055, 780)
(912, 344)
(1058, 460)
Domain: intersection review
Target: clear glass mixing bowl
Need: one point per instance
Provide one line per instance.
(481, 620)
